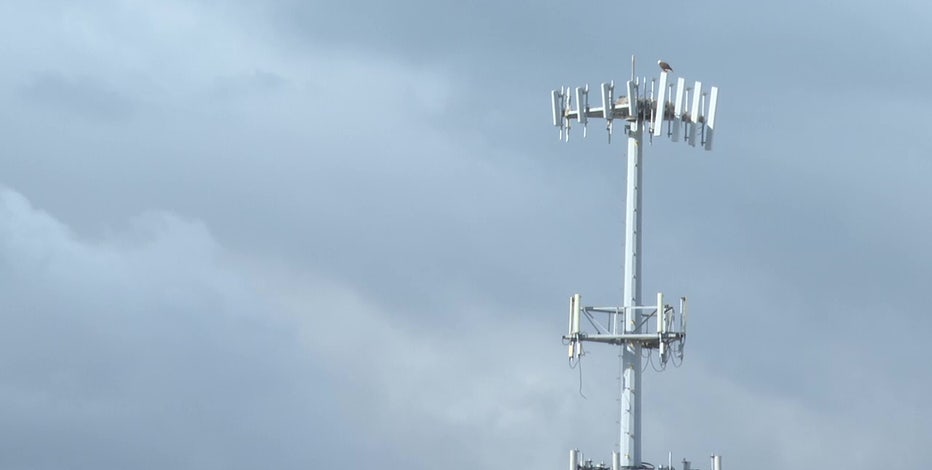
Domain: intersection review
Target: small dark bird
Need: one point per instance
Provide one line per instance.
(664, 66)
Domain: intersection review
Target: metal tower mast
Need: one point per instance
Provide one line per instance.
(685, 112)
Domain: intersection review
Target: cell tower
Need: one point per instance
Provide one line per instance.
(684, 113)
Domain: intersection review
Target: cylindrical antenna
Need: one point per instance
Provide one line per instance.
(684, 315)
(632, 67)
(575, 307)
(661, 320)
(702, 107)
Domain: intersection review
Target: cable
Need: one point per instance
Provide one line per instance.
(663, 366)
(678, 353)
(579, 364)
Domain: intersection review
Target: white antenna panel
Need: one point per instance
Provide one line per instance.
(575, 300)
(694, 113)
(661, 320)
(683, 314)
(575, 347)
(567, 108)
(680, 97)
(582, 103)
(608, 104)
(660, 113)
(710, 120)
(557, 99)
(632, 101)
(678, 108)
(697, 98)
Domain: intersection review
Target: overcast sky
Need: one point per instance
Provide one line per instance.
(305, 234)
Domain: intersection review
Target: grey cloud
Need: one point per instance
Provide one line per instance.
(85, 97)
(145, 351)
(247, 84)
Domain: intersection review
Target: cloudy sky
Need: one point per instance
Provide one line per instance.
(304, 234)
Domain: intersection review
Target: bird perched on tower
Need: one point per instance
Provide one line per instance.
(664, 66)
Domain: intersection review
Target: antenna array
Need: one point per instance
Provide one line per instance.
(681, 113)
(686, 112)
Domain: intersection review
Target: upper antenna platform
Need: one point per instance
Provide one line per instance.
(679, 111)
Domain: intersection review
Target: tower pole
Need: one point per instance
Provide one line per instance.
(630, 387)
